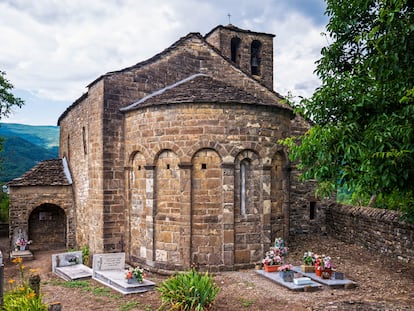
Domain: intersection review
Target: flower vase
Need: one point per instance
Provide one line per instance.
(287, 276)
(271, 268)
(22, 247)
(308, 269)
(132, 280)
(326, 274)
(318, 272)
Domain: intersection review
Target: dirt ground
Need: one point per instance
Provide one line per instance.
(382, 284)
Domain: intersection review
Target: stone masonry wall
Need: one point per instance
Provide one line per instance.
(81, 144)
(192, 153)
(306, 215)
(379, 230)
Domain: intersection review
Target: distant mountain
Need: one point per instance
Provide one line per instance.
(24, 146)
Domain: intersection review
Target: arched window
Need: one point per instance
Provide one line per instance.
(235, 53)
(68, 143)
(85, 150)
(244, 182)
(255, 57)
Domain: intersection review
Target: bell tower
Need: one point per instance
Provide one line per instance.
(251, 51)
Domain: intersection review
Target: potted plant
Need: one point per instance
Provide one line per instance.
(286, 272)
(272, 261)
(274, 257)
(133, 275)
(323, 266)
(308, 261)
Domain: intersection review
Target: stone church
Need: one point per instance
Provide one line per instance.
(174, 161)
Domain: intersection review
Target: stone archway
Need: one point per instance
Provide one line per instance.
(47, 227)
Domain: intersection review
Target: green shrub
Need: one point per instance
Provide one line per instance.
(23, 299)
(4, 206)
(21, 296)
(188, 291)
(85, 255)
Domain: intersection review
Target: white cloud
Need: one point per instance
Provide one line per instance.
(295, 54)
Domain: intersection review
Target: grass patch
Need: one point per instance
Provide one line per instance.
(246, 303)
(69, 284)
(106, 292)
(129, 306)
(76, 284)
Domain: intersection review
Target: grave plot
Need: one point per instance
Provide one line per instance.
(20, 246)
(332, 282)
(109, 269)
(301, 284)
(69, 266)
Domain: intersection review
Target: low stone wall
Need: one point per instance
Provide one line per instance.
(376, 229)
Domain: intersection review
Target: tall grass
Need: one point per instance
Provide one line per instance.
(188, 291)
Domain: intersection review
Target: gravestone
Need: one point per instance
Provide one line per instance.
(109, 269)
(17, 251)
(340, 282)
(69, 266)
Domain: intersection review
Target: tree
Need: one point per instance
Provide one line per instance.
(7, 99)
(363, 112)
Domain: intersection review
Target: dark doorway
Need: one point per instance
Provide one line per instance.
(47, 227)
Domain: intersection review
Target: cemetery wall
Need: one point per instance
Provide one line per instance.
(376, 229)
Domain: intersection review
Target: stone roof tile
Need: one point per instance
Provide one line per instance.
(45, 173)
(201, 88)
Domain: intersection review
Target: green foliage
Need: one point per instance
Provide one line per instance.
(246, 303)
(85, 254)
(7, 100)
(75, 284)
(130, 305)
(20, 296)
(4, 206)
(188, 291)
(22, 300)
(363, 138)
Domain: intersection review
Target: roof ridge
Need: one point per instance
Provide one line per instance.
(152, 58)
(160, 91)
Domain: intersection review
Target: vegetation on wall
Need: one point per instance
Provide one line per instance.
(362, 140)
(4, 206)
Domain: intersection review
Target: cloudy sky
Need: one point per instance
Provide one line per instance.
(51, 49)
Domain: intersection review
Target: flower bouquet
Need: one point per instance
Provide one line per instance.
(21, 244)
(134, 275)
(323, 266)
(275, 256)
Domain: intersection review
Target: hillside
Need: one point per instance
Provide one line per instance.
(44, 136)
(24, 146)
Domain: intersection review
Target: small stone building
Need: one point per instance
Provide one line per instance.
(41, 206)
(176, 160)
